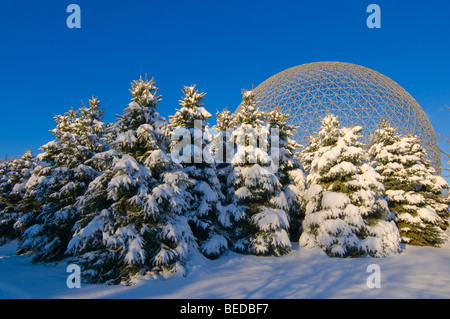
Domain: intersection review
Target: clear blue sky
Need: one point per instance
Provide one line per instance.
(222, 46)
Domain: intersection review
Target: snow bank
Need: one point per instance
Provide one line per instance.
(418, 272)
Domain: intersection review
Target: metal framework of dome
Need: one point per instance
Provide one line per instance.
(356, 94)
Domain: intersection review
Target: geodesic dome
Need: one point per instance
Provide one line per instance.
(357, 95)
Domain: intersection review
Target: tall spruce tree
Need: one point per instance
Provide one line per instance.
(222, 149)
(133, 214)
(222, 145)
(414, 191)
(52, 191)
(258, 204)
(306, 155)
(290, 173)
(346, 214)
(190, 143)
(6, 220)
(5, 188)
(14, 176)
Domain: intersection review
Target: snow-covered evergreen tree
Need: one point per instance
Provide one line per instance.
(346, 214)
(222, 149)
(5, 190)
(258, 204)
(222, 146)
(14, 176)
(414, 191)
(133, 213)
(4, 182)
(306, 155)
(290, 173)
(190, 131)
(52, 191)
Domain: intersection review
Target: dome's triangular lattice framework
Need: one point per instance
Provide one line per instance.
(356, 94)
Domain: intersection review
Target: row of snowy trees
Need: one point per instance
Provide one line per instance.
(366, 200)
(132, 196)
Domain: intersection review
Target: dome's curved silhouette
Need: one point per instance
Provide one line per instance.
(357, 95)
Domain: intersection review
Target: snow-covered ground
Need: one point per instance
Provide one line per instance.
(418, 272)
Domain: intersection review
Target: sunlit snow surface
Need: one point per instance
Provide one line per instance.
(418, 272)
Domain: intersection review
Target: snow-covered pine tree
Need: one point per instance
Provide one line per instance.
(4, 182)
(414, 191)
(222, 150)
(52, 191)
(290, 172)
(346, 214)
(133, 213)
(260, 221)
(431, 185)
(222, 145)
(190, 145)
(306, 155)
(5, 189)
(14, 176)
